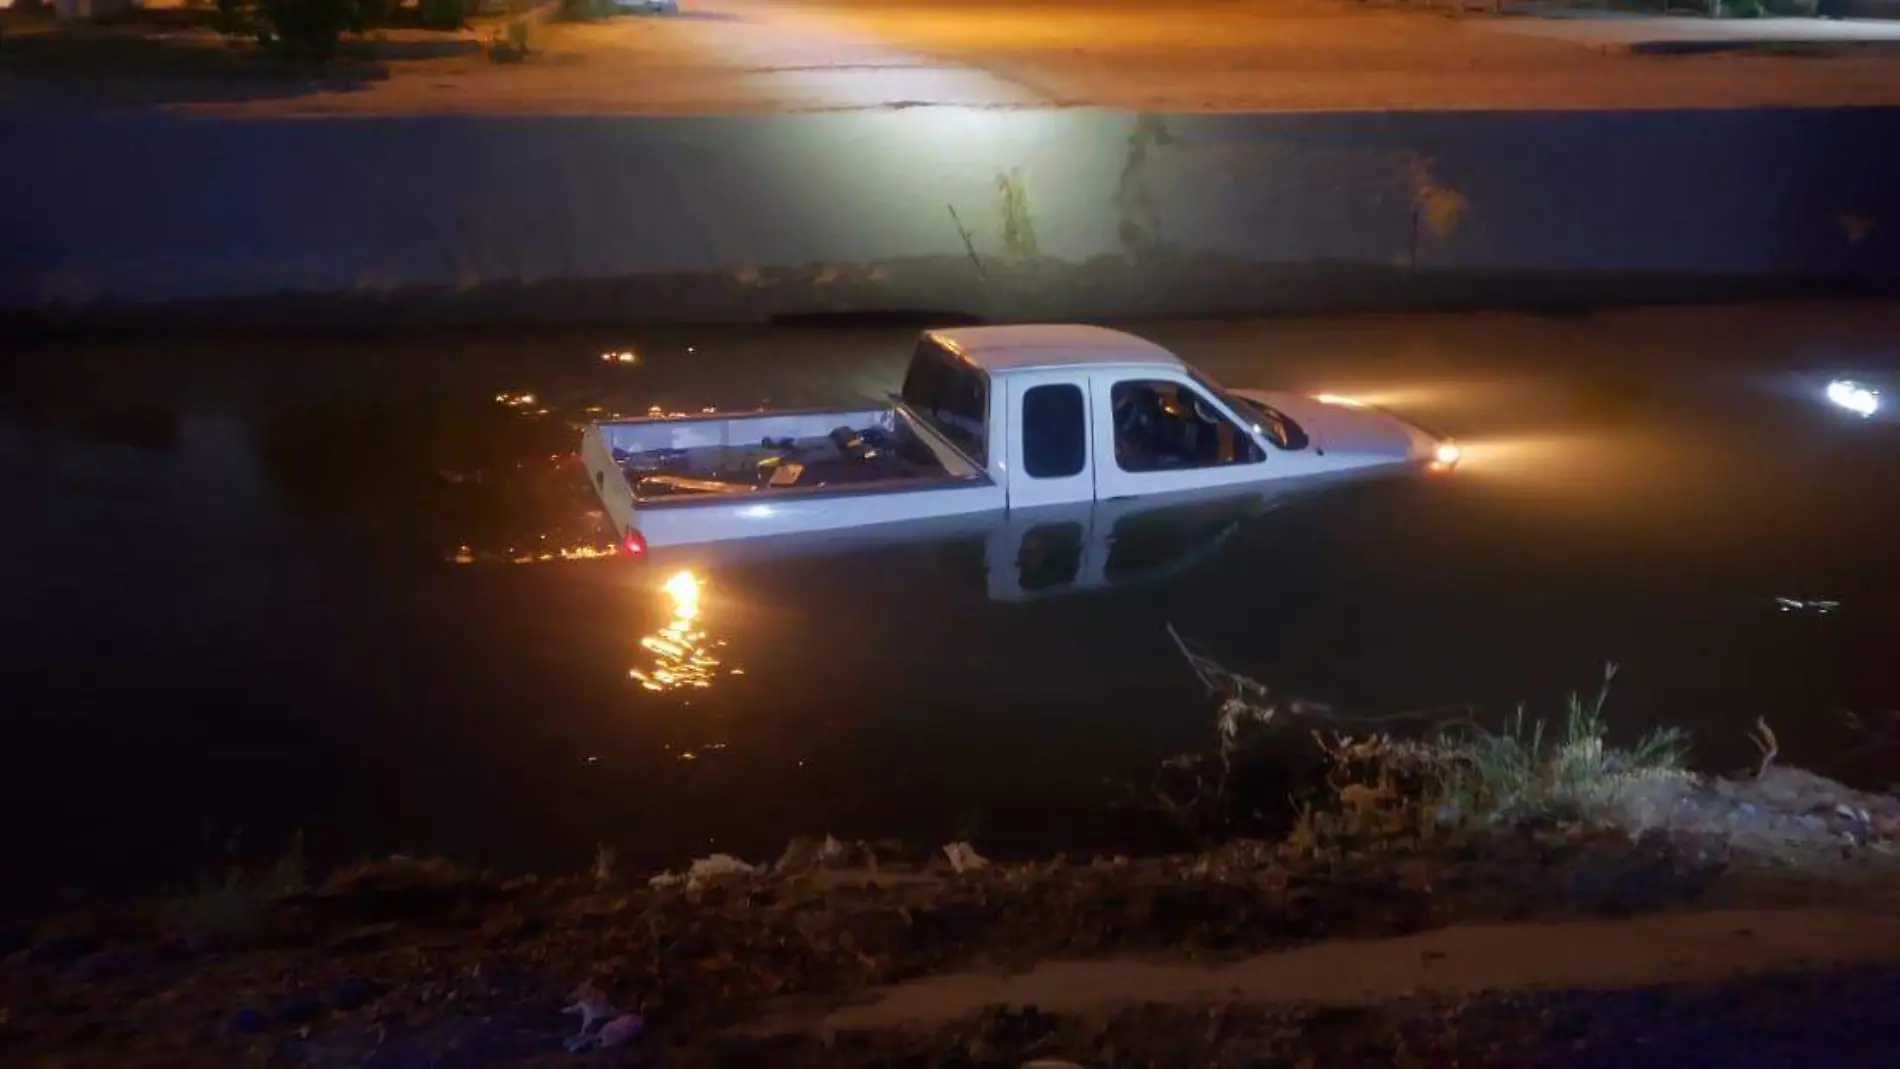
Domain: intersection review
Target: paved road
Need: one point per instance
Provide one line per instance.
(763, 56)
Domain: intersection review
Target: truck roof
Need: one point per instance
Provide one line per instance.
(1032, 346)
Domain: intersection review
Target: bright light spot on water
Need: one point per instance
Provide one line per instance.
(682, 654)
(683, 588)
(1863, 401)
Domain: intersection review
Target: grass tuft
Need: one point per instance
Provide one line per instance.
(1529, 771)
(1412, 772)
(236, 903)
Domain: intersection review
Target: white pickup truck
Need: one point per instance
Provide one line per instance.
(990, 419)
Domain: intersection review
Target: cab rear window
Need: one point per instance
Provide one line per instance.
(951, 396)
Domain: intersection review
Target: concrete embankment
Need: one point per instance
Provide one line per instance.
(997, 214)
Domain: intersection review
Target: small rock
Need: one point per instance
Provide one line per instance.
(717, 867)
(109, 964)
(501, 925)
(805, 853)
(353, 992)
(619, 1030)
(63, 950)
(801, 855)
(299, 1009)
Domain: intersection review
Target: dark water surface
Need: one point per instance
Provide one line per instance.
(233, 607)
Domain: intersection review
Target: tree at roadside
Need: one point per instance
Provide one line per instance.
(311, 29)
(298, 29)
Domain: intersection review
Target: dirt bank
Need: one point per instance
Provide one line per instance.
(422, 963)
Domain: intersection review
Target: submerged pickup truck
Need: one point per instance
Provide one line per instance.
(989, 419)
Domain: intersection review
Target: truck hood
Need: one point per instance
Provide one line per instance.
(1356, 429)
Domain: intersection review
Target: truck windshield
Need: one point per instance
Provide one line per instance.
(1275, 424)
(951, 396)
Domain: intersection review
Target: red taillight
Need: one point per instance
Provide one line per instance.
(635, 543)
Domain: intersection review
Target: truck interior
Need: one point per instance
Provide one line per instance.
(847, 456)
(1164, 426)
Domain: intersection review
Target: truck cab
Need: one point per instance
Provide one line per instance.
(1060, 414)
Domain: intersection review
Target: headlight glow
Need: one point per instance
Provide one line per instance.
(1335, 399)
(1863, 401)
(1446, 456)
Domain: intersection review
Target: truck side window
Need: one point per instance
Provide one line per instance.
(1055, 438)
(1165, 426)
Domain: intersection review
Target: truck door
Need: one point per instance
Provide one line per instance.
(1048, 434)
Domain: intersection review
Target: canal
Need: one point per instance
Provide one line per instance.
(354, 588)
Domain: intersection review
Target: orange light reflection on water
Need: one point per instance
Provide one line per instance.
(681, 653)
(545, 554)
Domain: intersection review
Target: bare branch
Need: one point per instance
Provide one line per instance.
(1765, 742)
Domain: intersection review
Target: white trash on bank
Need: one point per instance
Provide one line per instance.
(704, 871)
(964, 858)
(592, 1007)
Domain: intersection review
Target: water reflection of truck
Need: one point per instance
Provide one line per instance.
(1021, 554)
(990, 420)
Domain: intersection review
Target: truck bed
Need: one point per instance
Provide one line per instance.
(676, 461)
(695, 480)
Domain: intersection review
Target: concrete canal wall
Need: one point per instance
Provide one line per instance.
(1082, 213)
